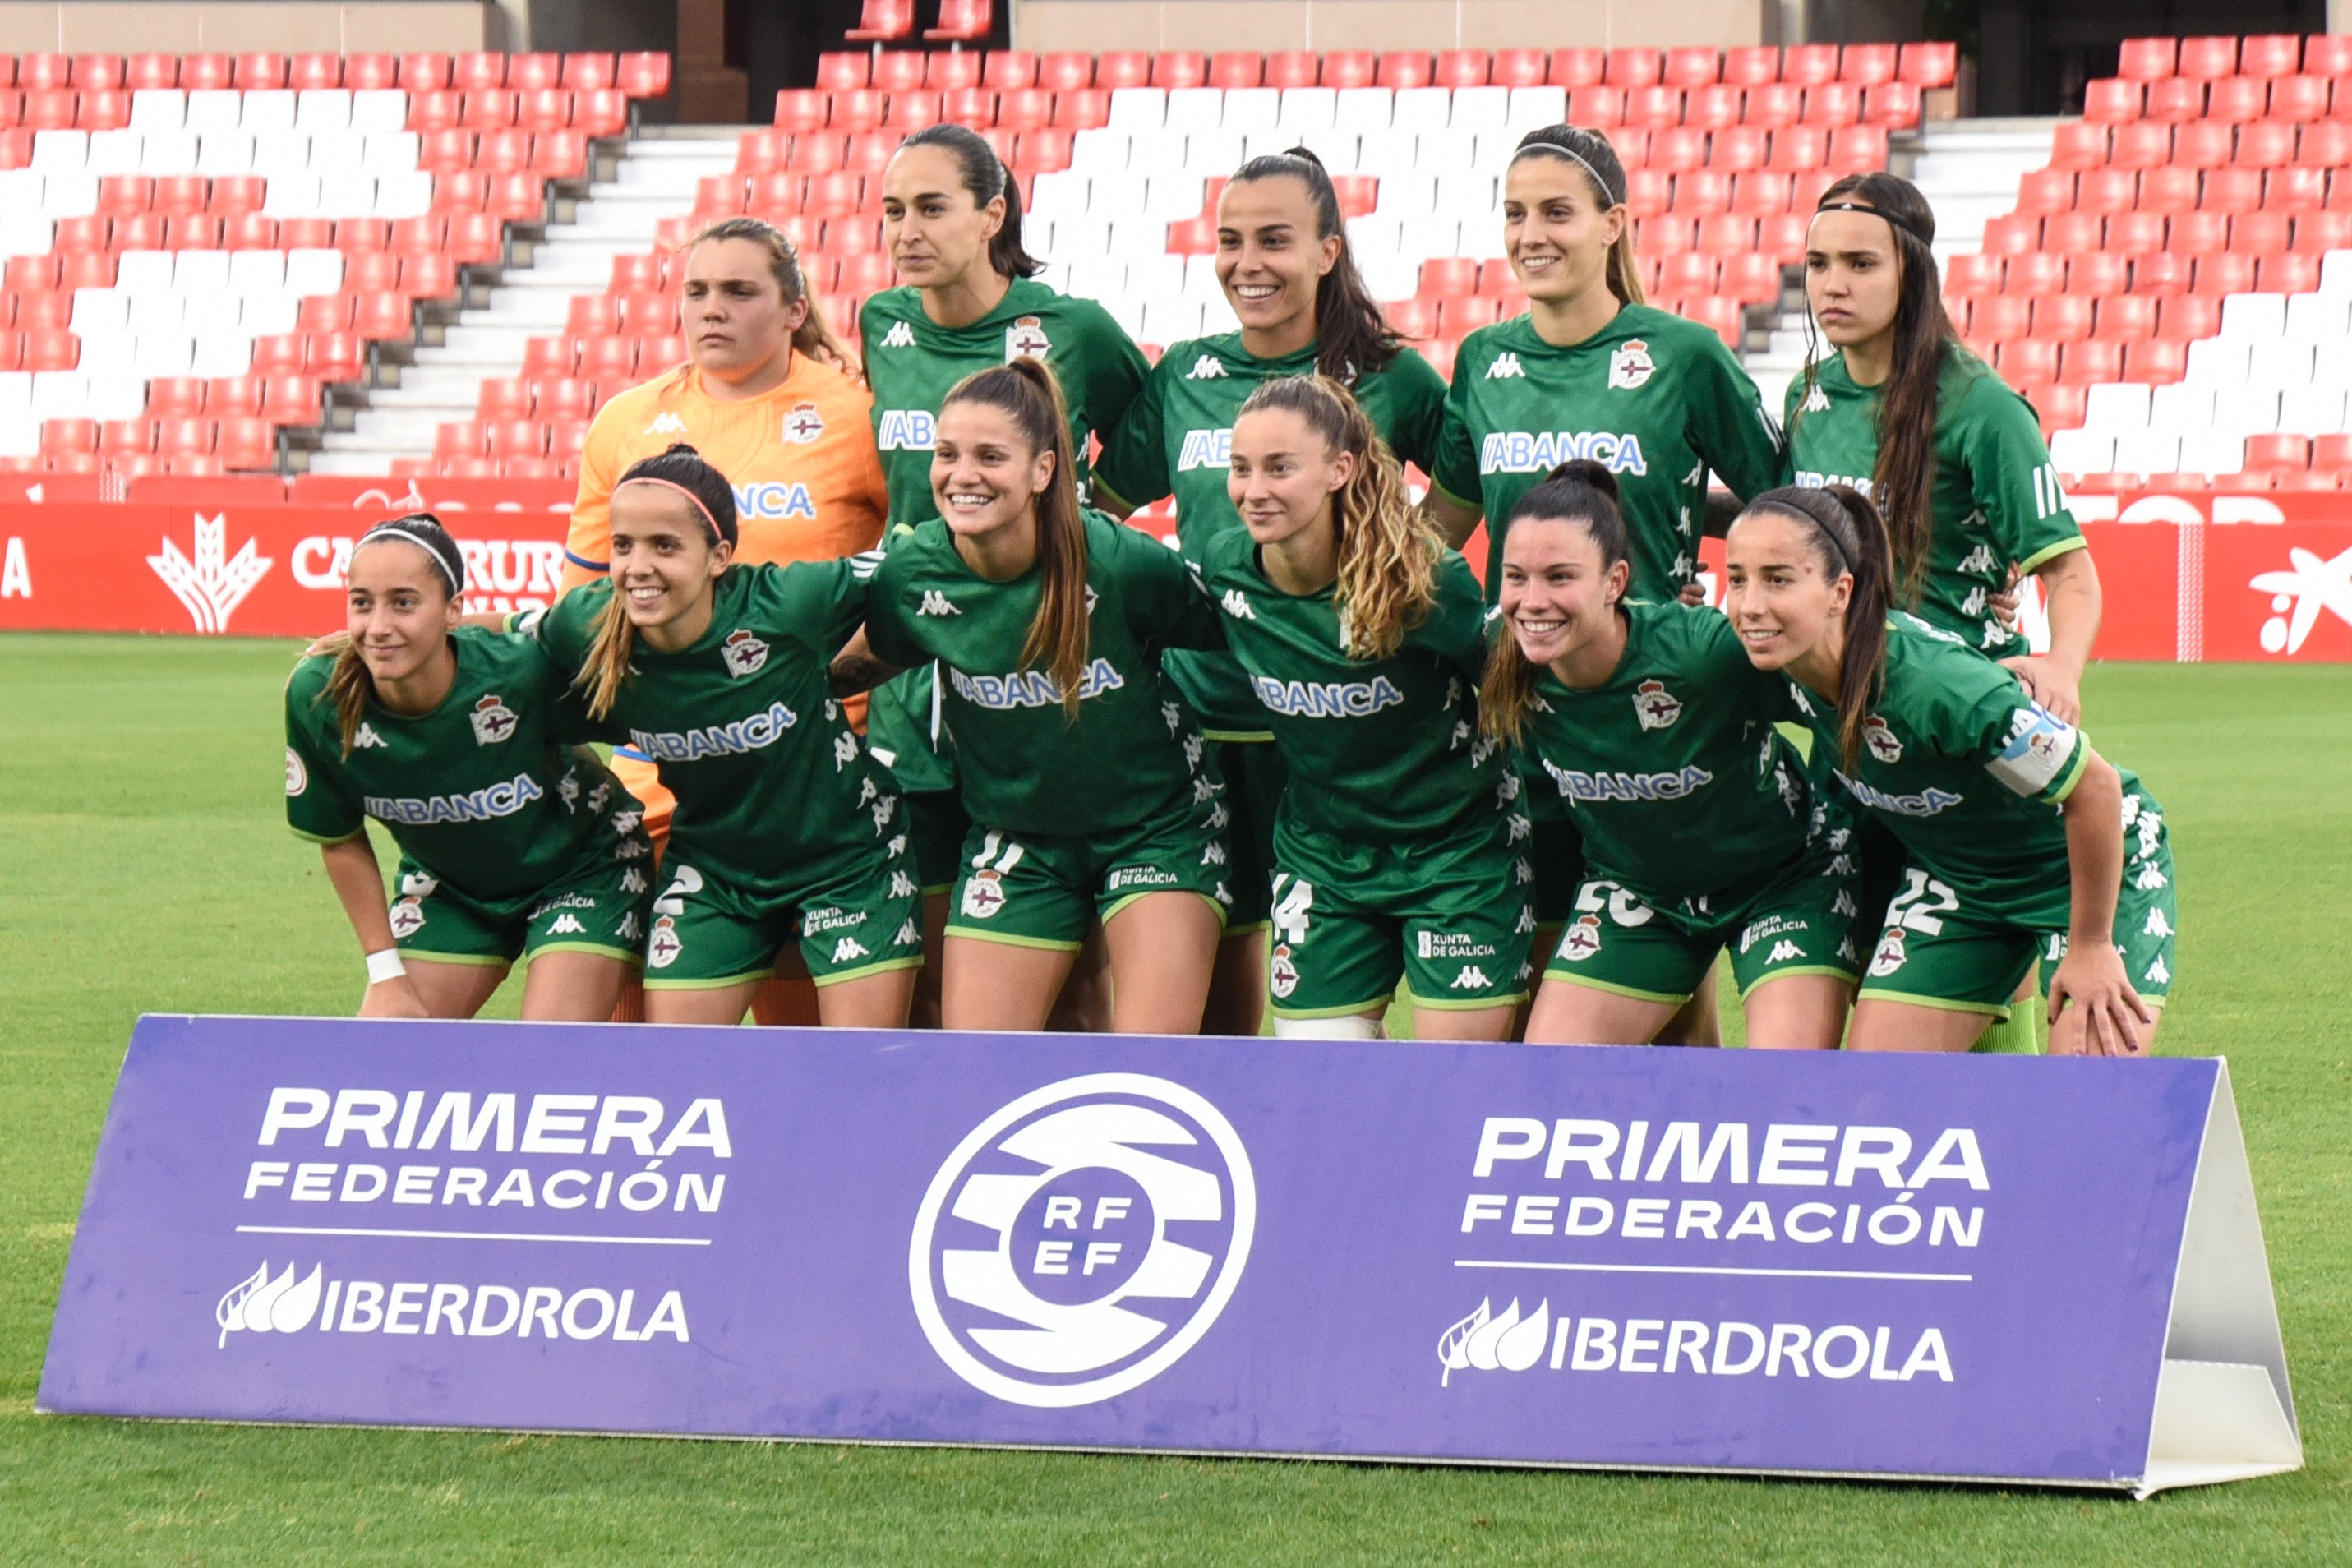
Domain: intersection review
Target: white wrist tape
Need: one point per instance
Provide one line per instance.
(385, 965)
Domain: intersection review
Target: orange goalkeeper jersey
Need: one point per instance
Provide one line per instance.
(808, 483)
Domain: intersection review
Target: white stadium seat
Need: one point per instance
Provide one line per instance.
(159, 109)
(168, 153)
(377, 110)
(224, 153)
(323, 109)
(312, 272)
(1308, 108)
(1137, 109)
(1251, 108)
(213, 109)
(1364, 109)
(61, 151)
(1194, 109)
(268, 111)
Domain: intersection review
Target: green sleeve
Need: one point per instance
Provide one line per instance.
(1417, 422)
(819, 603)
(1457, 628)
(1730, 427)
(1985, 715)
(1134, 464)
(1456, 458)
(1790, 416)
(566, 628)
(318, 802)
(1116, 372)
(886, 632)
(2011, 478)
(1168, 604)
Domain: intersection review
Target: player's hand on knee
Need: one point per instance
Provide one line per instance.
(2108, 1014)
(393, 998)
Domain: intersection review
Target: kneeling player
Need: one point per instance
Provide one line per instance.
(2023, 841)
(512, 845)
(1700, 835)
(1364, 638)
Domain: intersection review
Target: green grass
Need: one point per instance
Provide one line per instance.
(144, 866)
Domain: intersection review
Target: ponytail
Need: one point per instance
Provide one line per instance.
(814, 336)
(1581, 493)
(1026, 390)
(1849, 539)
(1591, 151)
(1388, 551)
(987, 178)
(1903, 476)
(605, 668)
(1353, 338)
(348, 686)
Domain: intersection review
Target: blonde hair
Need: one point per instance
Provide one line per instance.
(1027, 390)
(1389, 552)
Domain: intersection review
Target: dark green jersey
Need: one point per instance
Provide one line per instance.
(484, 792)
(1178, 440)
(1378, 749)
(1996, 503)
(1657, 399)
(1962, 765)
(1024, 765)
(1671, 767)
(911, 362)
(769, 776)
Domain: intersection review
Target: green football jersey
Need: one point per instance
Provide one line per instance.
(1996, 503)
(912, 362)
(1656, 399)
(769, 776)
(1378, 749)
(1024, 765)
(484, 792)
(1965, 768)
(1671, 767)
(1178, 440)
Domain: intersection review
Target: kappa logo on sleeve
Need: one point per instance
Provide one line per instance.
(1081, 1240)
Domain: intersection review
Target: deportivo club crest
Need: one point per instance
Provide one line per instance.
(1582, 940)
(1283, 973)
(1889, 956)
(804, 423)
(983, 895)
(493, 721)
(1631, 365)
(1881, 741)
(1654, 706)
(743, 653)
(1027, 336)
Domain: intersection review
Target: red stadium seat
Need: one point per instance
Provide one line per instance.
(2299, 98)
(2236, 100)
(2126, 319)
(1712, 106)
(1798, 147)
(50, 348)
(883, 22)
(1043, 150)
(641, 74)
(1868, 64)
(1774, 104)
(1973, 274)
(2265, 145)
(1007, 70)
(2062, 318)
(2202, 59)
(2066, 232)
(2096, 275)
(1701, 192)
(2175, 98)
(1724, 234)
(1084, 111)
(2001, 318)
(1349, 67)
(2112, 101)
(1597, 108)
(325, 313)
(2105, 191)
(589, 72)
(2026, 360)
(1739, 149)
(69, 435)
(1576, 68)
(2294, 272)
(44, 72)
(1519, 67)
(2278, 451)
(2317, 233)
(2231, 190)
(2046, 191)
(1180, 67)
(208, 73)
(257, 72)
(2199, 144)
(251, 231)
(488, 109)
(1461, 68)
(1760, 193)
(144, 73)
(2327, 54)
(2079, 144)
(2088, 362)
(2261, 233)
(2334, 452)
(2145, 59)
(1655, 107)
(1068, 72)
(2326, 146)
(1688, 68)
(1809, 65)
(1634, 68)
(2222, 275)
(2168, 189)
(1676, 148)
(2189, 233)
(1292, 68)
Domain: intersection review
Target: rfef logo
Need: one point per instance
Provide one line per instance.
(1080, 1240)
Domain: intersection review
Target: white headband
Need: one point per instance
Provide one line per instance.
(394, 531)
(1574, 157)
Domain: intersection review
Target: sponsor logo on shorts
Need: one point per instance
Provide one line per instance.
(1141, 877)
(1450, 944)
(1580, 941)
(830, 917)
(1283, 974)
(847, 949)
(664, 946)
(1027, 336)
(418, 884)
(910, 935)
(1881, 741)
(1471, 978)
(407, 918)
(629, 929)
(1769, 927)
(803, 424)
(297, 777)
(1889, 956)
(742, 653)
(567, 925)
(1631, 366)
(1654, 706)
(1784, 952)
(983, 895)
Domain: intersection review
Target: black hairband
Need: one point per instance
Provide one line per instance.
(1893, 220)
(1789, 508)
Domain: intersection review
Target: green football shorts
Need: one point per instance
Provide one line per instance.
(858, 914)
(1799, 921)
(599, 907)
(1045, 890)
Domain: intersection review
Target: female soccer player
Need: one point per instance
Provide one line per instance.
(454, 737)
(784, 829)
(969, 300)
(1364, 638)
(1077, 763)
(1700, 835)
(1952, 458)
(768, 393)
(2022, 839)
(1590, 372)
(1287, 270)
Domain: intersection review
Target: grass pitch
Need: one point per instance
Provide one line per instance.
(144, 866)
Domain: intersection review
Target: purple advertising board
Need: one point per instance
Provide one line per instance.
(1996, 1268)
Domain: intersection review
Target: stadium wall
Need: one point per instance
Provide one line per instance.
(235, 26)
(1270, 25)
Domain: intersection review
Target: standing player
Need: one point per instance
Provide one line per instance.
(2022, 841)
(1952, 456)
(1700, 834)
(969, 300)
(1285, 264)
(1363, 638)
(1591, 373)
(785, 832)
(1075, 759)
(454, 737)
(765, 394)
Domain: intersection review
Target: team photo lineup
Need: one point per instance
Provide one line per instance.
(950, 743)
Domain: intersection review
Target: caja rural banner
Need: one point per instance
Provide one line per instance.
(1983, 1269)
(2262, 578)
